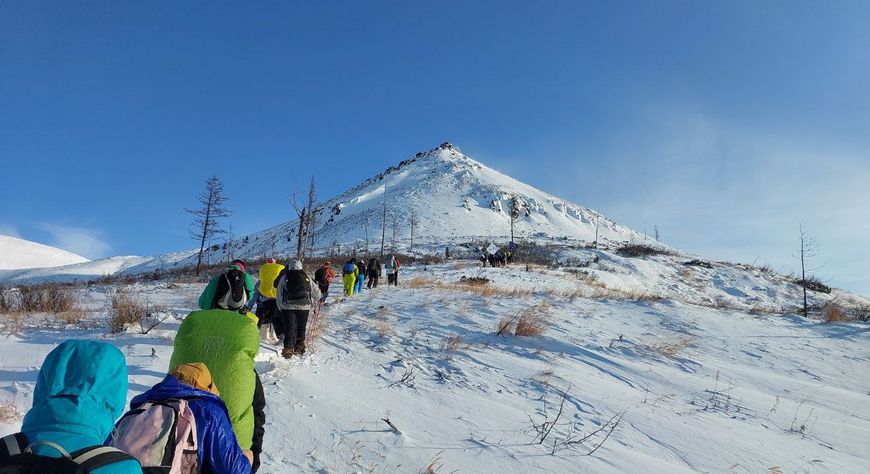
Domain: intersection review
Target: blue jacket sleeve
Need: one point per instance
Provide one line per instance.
(219, 446)
(255, 298)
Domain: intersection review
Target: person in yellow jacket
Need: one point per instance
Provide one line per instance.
(264, 296)
(349, 272)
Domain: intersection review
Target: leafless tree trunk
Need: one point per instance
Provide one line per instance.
(384, 228)
(656, 231)
(413, 227)
(230, 242)
(515, 215)
(809, 249)
(304, 214)
(206, 218)
(367, 235)
(597, 219)
(395, 233)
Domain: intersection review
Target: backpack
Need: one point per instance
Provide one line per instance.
(349, 268)
(16, 457)
(294, 290)
(320, 276)
(161, 435)
(231, 292)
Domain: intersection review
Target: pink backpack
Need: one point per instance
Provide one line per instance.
(161, 435)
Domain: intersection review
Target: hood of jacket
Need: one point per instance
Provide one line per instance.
(171, 387)
(80, 390)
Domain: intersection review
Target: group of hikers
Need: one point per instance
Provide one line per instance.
(499, 258)
(207, 415)
(356, 272)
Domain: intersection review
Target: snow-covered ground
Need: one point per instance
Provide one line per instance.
(700, 386)
(18, 253)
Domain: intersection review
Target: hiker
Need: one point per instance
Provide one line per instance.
(483, 258)
(296, 295)
(226, 339)
(264, 296)
(236, 269)
(509, 256)
(349, 273)
(491, 259)
(392, 269)
(374, 272)
(323, 277)
(361, 278)
(447, 253)
(80, 392)
(183, 423)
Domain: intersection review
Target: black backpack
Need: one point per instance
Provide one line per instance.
(296, 289)
(320, 275)
(16, 458)
(231, 292)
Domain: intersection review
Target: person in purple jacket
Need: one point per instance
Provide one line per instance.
(219, 452)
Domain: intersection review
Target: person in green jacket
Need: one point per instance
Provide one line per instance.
(206, 299)
(226, 340)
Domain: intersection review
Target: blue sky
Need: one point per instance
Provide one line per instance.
(725, 124)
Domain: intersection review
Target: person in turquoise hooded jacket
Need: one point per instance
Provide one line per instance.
(80, 391)
(207, 297)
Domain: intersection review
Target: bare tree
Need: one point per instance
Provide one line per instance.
(367, 234)
(206, 218)
(231, 237)
(395, 233)
(413, 228)
(515, 214)
(597, 219)
(384, 228)
(809, 248)
(304, 213)
(656, 231)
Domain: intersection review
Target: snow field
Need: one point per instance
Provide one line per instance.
(702, 389)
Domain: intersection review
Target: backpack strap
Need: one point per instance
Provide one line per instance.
(98, 456)
(12, 445)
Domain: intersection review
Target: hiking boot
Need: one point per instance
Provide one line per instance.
(288, 352)
(300, 349)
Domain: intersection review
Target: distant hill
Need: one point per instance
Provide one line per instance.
(18, 253)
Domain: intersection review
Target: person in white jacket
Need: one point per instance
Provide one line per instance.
(296, 295)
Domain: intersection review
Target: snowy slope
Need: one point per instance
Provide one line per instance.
(17, 253)
(701, 389)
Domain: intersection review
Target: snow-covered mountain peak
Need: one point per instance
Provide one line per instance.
(453, 198)
(17, 253)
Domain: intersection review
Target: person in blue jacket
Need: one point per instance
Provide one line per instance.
(219, 452)
(80, 392)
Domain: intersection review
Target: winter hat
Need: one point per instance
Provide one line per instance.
(271, 260)
(196, 375)
(239, 263)
(295, 264)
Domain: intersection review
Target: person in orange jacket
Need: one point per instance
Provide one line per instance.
(323, 277)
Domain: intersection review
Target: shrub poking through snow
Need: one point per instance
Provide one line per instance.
(45, 298)
(453, 342)
(125, 311)
(670, 346)
(640, 250)
(505, 326)
(9, 412)
(699, 263)
(834, 313)
(814, 284)
(533, 321)
(474, 281)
